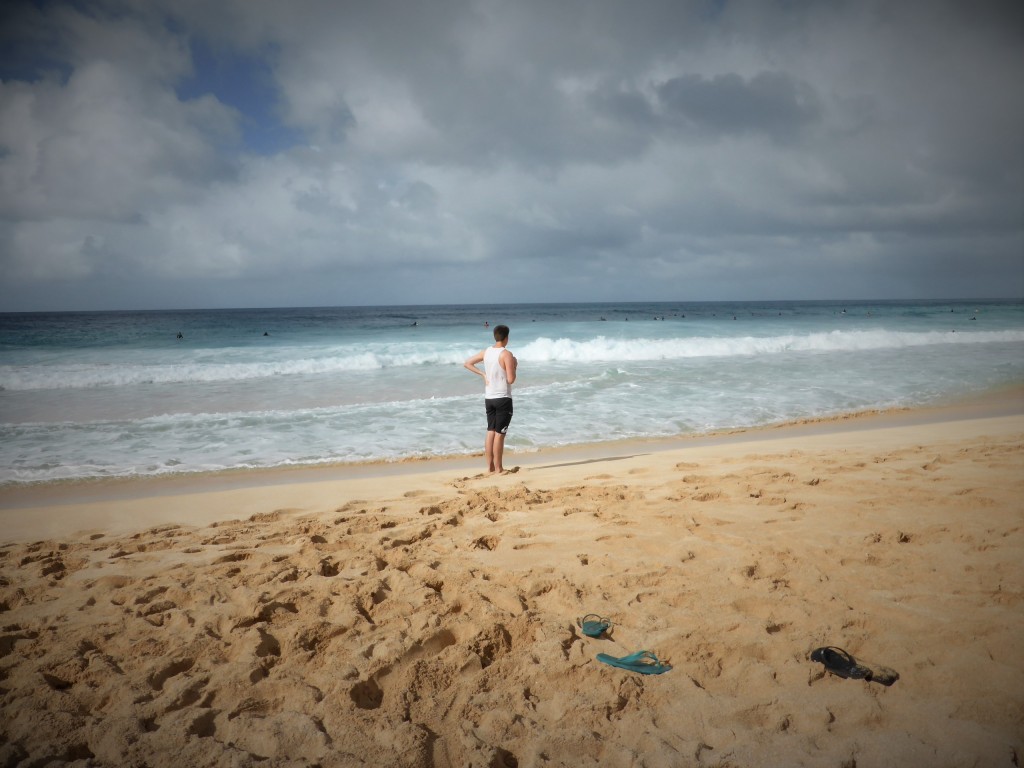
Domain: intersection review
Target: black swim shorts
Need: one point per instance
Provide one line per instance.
(499, 414)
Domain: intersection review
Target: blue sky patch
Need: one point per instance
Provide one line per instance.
(245, 82)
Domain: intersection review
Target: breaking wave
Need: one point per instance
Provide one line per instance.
(600, 349)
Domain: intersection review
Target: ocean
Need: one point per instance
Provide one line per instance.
(119, 394)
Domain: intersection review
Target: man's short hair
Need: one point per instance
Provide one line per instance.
(500, 332)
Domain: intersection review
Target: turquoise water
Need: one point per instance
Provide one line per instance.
(117, 394)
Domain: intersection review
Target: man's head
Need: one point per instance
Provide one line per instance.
(500, 333)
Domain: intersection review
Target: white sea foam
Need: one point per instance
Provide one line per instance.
(85, 376)
(601, 349)
(610, 350)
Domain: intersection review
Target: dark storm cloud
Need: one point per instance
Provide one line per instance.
(770, 103)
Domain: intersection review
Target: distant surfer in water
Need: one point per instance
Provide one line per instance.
(499, 374)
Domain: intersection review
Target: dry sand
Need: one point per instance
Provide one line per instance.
(424, 616)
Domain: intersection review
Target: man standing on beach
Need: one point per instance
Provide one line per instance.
(499, 373)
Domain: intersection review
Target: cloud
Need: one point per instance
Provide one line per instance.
(249, 152)
(770, 103)
(111, 139)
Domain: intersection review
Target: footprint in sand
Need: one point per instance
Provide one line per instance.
(269, 645)
(234, 557)
(367, 694)
(707, 496)
(328, 568)
(159, 678)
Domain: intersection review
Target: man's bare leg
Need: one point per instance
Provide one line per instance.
(497, 452)
(489, 450)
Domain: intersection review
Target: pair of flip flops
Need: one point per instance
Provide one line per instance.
(842, 664)
(644, 662)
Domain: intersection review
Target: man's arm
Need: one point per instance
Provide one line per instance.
(510, 364)
(472, 362)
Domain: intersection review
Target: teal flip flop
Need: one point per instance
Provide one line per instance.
(644, 662)
(594, 625)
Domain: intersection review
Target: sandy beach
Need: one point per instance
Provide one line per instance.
(427, 615)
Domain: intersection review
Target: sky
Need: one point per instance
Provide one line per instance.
(250, 153)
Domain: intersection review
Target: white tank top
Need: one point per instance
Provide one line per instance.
(497, 383)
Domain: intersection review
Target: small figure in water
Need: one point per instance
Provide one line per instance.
(180, 336)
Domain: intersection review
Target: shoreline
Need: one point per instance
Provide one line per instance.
(1000, 402)
(132, 504)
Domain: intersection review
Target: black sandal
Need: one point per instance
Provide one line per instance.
(839, 662)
